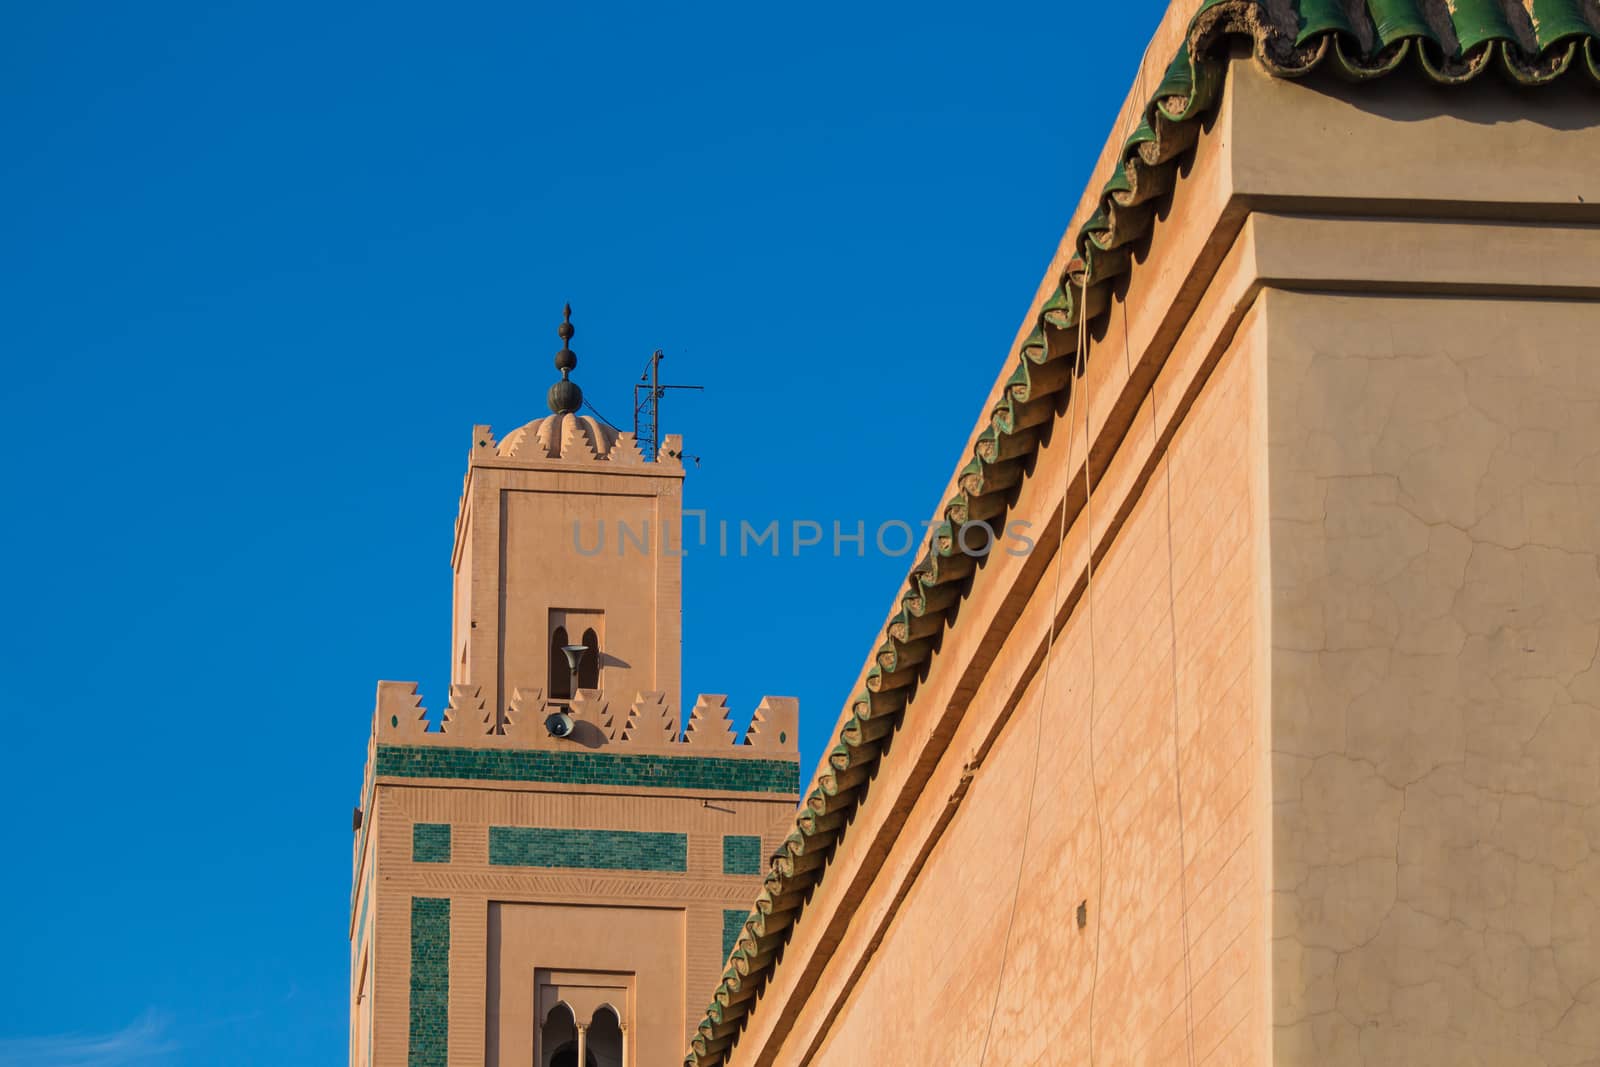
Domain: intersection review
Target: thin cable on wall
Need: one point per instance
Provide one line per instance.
(1044, 699)
(1081, 364)
(1088, 592)
(1177, 749)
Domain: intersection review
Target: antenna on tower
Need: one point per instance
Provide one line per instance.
(647, 393)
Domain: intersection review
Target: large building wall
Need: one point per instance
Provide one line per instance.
(1435, 511)
(1385, 510)
(1142, 774)
(1363, 333)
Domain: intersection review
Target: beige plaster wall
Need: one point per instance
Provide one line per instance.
(1435, 549)
(1135, 753)
(517, 557)
(545, 569)
(1467, 218)
(646, 943)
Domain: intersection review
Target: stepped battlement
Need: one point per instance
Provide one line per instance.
(602, 721)
(516, 744)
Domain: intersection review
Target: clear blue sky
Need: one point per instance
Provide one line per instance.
(263, 268)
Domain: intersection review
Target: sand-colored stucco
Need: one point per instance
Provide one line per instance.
(1435, 509)
(546, 529)
(1111, 760)
(1324, 785)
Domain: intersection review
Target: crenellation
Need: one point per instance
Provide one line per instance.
(625, 453)
(468, 713)
(399, 714)
(709, 725)
(648, 723)
(620, 722)
(590, 708)
(653, 708)
(525, 713)
(560, 440)
(774, 725)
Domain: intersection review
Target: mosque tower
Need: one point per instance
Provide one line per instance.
(555, 872)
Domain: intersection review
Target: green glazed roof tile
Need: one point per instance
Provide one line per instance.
(1477, 21)
(1556, 20)
(1318, 17)
(1396, 20)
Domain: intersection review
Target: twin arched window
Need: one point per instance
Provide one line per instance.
(602, 1042)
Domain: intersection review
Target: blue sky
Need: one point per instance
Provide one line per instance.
(264, 266)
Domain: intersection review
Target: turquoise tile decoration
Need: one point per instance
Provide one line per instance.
(741, 854)
(430, 842)
(606, 850)
(430, 982)
(732, 924)
(720, 773)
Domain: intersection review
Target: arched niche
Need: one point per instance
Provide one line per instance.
(605, 1039)
(558, 1038)
(589, 662)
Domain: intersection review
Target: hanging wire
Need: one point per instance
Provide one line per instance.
(1088, 591)
(1079, 361)
(596, 413)
(1177, 748)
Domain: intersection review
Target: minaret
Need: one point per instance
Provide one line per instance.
(567, 537)
(556, 873)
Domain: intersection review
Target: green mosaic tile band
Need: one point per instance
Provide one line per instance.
(741, 854)
(430, 842)
(430, 982)
(732, 923)
(591, 768)
(607, 850)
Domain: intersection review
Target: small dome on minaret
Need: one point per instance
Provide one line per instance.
(563, 434)
(565, 396)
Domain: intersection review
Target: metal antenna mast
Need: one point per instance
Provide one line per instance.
(647, 395)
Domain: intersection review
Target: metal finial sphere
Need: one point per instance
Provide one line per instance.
(565, 397)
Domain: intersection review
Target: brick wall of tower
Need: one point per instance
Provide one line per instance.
(603, 856)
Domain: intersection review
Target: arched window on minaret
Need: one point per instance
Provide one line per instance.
(560, 673)
(589, 664)
(560, 1040)
(605, 1039)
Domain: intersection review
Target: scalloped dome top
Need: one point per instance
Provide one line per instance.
(563, 436)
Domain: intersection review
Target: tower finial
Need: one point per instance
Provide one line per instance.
(565, 397)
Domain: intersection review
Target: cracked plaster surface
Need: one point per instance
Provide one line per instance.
(1435, 571)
